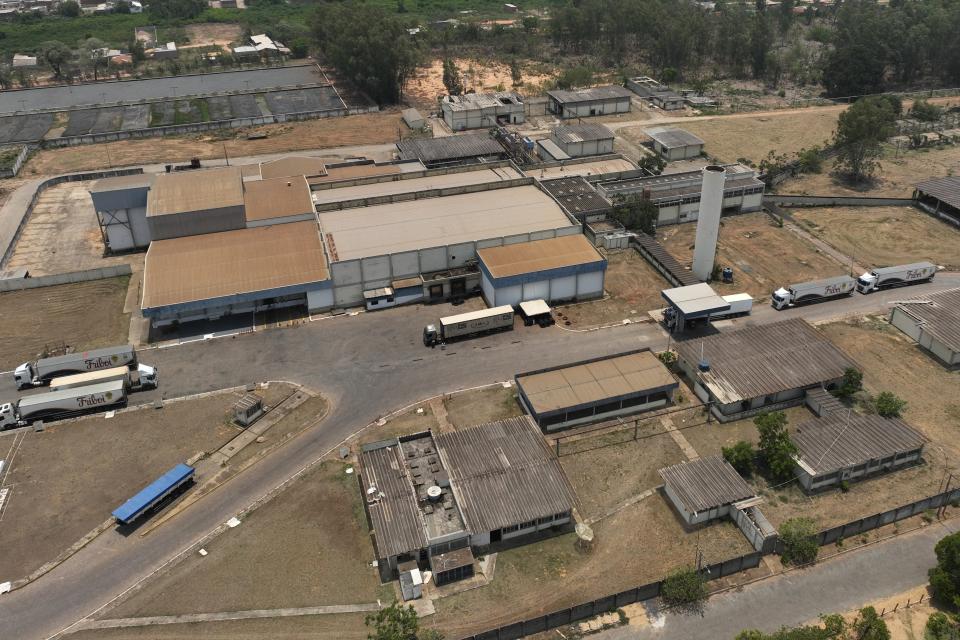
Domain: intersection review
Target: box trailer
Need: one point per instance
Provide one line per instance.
(813, 291)
(470, 324)
(63, 403)
(899, 276)
(153, 494)
(42, 371)
(143, 377)
(741, 304)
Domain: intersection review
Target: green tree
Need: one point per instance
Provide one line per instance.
(861, 130)
(761, 40)
(121, 6)
(858, 62)
(799, 541)
(741, 457)
(810, 160)
(945, 577)
(926, 112)
(851, 383)
(776, 447)
(889, 405)
(684, 589)
(57, 55)
(572, 77)
(397, 622)
(636, 213)
(138, 52)
(92, 55)
(177, 9)
(940, 627)
(868, 625)
(70, 8)
(6, 77)
(451, 77)
(516, 73)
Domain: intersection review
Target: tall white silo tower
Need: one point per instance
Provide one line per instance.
(708, 220)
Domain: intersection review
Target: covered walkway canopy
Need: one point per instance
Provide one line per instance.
(691, 302)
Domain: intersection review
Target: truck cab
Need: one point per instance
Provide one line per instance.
(867, 282)
(23, 375)
(781, 299)
(8, 417)
(431, 335)
(149, 376)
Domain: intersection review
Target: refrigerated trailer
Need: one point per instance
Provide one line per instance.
(144, 377)
(899, 276)
(63, 403)
(153, 494)
(470, 324)
(40, 372)
(813, 291)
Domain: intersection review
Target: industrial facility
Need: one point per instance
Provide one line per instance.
(594, 390)
(933, 321)
(482, 110)
(433, 498)
(761, 368)
(582, 103)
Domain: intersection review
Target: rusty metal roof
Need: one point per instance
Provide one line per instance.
(199, 190)
(293, 166)
(706, 483)
(277, 198)
(538, 255)
(938, 314)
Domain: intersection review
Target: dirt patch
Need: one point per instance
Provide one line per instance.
(883, 236)
(632, 288)
(480, 76)
(84, 315)
(481, 406)
(347, 626)
(65, 480)
(376, 128)
(763, 256)
(212, 33)
(313, 537)
(418, 418)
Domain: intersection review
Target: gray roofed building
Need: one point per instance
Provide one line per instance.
(675, 144)
(845, 446)
(451, 149)
(596, 101)
(578, 198)
(940, 196)
(761, 368)
(593, 93)
(578, 140)
(658, 94)
(933, 321)
(703, 489)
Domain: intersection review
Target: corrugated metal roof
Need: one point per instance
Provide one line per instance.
(706, 483)
(477, 101)
(938, 314)
(672, 137)
(572, 133)
(277, 198)
(145, 497)
(214, 265)
(503, 473)
(119, 183)
(594, 382)
(539, 255)
(395, 516)
(666, 260)
(200, 190)
(845, 439)
(293, 166)
(764, 360)
(552, 150)
(457, 147)
(945, 189)
(593, 94)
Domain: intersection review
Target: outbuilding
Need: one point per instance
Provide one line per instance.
(413, 119)
(704, 489)
(555, 270)
(933, 321)
(844, 446)
(672, 143)
(121, 206)
(657, 94)
(597, 389)
(582, 103)
(482, 110)
(578, 140)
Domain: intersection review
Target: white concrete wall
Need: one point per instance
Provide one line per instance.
(126, 228)
(319, 299)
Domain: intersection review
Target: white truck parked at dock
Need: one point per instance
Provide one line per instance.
(62, 404)
(143, 377)
(896, 276)
(40, 372)
(741, 304)
(813, 291)
(468, 324)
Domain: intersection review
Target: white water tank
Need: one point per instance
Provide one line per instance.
(708, 220)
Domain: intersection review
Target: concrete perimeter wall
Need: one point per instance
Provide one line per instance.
(15, 284)
(787, 200)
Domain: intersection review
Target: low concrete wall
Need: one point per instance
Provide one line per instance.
(787, 200)
(18, 163)
(16, 284)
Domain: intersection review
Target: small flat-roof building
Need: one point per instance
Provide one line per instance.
(195, 202)
(558, 269)
(704, 489)
(597, 389)
(657, 94)
(673, 143)
(432, 498)
(677, 195)
(582, 103)
(277, 201)
(761, 368)
(413, 119)
(482, 110)
(933, 321)
(450, 150)
(576, 140)
(940, 196)
(578, 198)
(121, 206)
(690, 303)
(205, 277)
(844, 446)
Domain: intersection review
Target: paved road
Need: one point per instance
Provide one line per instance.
(846, 582)
(367, 365)
(100, 93)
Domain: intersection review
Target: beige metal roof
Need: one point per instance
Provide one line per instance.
(355, 171)
(539, 255)
(193, 268)
(277, 198)
(293, 166)
(594, 382)
(118, 183)
(593, 168)
(195, 191)
(435, 222)
(417, 185)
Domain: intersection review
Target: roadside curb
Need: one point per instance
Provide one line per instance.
(64, 555)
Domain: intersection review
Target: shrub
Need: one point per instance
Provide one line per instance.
(741, 457)
(940, 627)
(684, 588)
(776, 447)
(799, 541)
(889, 405)
(851, 383)
(945, 577)
(926, 112)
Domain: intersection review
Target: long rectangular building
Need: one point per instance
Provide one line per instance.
(933, 321)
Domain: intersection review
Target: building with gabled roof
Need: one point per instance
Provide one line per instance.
(933, 321)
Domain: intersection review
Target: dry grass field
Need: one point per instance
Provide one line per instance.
(483, 405)
(883, 236)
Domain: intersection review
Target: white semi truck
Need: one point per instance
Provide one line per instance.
(143, 377)
(62, 404)
(813, 291)
(40, 372)
(896, 276)
(469, 324)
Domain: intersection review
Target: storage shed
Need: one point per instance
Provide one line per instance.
(597, 389)
(672, 143)
(556, 269)
(578, 140)
(482, 110)
(933, 321)
(704, 489)
(582, 103)
(121, 206)
(844, 446)
(659, 95)
(413, 119)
